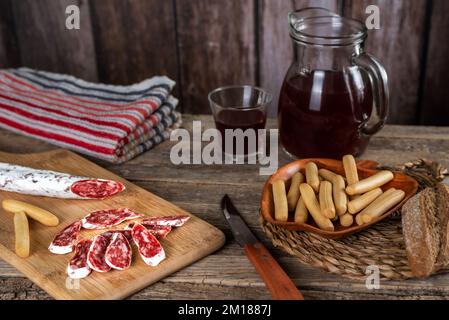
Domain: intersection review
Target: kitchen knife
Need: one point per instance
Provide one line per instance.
(276, 280)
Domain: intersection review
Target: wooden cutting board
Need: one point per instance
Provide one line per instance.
(183, 246)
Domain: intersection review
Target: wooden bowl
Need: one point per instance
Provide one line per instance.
(365, 169)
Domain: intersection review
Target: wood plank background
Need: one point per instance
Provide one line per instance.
(399, 45)
(203, 44)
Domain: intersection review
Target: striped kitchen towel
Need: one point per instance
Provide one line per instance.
(114, 123)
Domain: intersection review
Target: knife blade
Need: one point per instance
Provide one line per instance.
(275, 278)
(239, 229)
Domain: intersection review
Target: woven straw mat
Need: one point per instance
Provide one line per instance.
(381, 245)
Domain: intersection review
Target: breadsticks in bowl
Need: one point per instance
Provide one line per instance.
(333, 196)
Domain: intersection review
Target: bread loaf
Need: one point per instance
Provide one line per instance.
(443, 207)
(425, 226)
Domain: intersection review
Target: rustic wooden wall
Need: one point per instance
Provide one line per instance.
(134, 39)
(45, 43)
(9, 50)
(216, 47)
(435, 95)
(203, 44)
(275, 46)
(399, 44)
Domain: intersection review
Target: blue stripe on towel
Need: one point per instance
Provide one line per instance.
(161, 97)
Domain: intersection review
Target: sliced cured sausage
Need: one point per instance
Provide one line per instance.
(171, 221)
(97, 254)
(65, 240)
(150, 249)
(108, 218)
(78, 267)
(119, 253)
(126, 232)
(48, 183)
(96, 188)
(157, 231)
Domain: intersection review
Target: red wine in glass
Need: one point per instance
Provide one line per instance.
(240, 107)
(244, 119)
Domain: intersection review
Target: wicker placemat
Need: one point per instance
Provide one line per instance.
(381, 245)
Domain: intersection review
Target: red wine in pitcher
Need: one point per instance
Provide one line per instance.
(320, 114)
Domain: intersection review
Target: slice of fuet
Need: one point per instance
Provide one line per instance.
(65, 240)
(150, 249)
(171, 221)
(119, 253)
(103, 219)
(96, 256)
(158, 231)
(78, 267)
(126, 232)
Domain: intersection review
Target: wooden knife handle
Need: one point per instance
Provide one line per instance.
(275, 278)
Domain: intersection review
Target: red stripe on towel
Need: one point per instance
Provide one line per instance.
(54, 136)
(98, 126)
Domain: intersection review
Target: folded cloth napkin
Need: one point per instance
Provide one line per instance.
(114, 123)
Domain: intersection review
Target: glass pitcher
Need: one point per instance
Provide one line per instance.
(334, 96)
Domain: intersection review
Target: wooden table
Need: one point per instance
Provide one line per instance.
(227, 274)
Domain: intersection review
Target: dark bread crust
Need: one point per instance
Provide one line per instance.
(420, 242)
(425, 223)
(442, 192)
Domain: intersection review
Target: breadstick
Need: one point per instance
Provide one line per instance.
(368, 184)
(22, 232)
(382, 205)
(359, 220)
(359, 217)
(312, 176)
(293, 192)
(43, 216)
(339, 193)
(301, 212)
(350, 168)
(309, 198)
(351, 174)
(346, 220)
(327, 174)
(280, 201)
(338, 189)
(357, 205)
(326, 203)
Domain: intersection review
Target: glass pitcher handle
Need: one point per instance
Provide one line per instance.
(379, 83)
